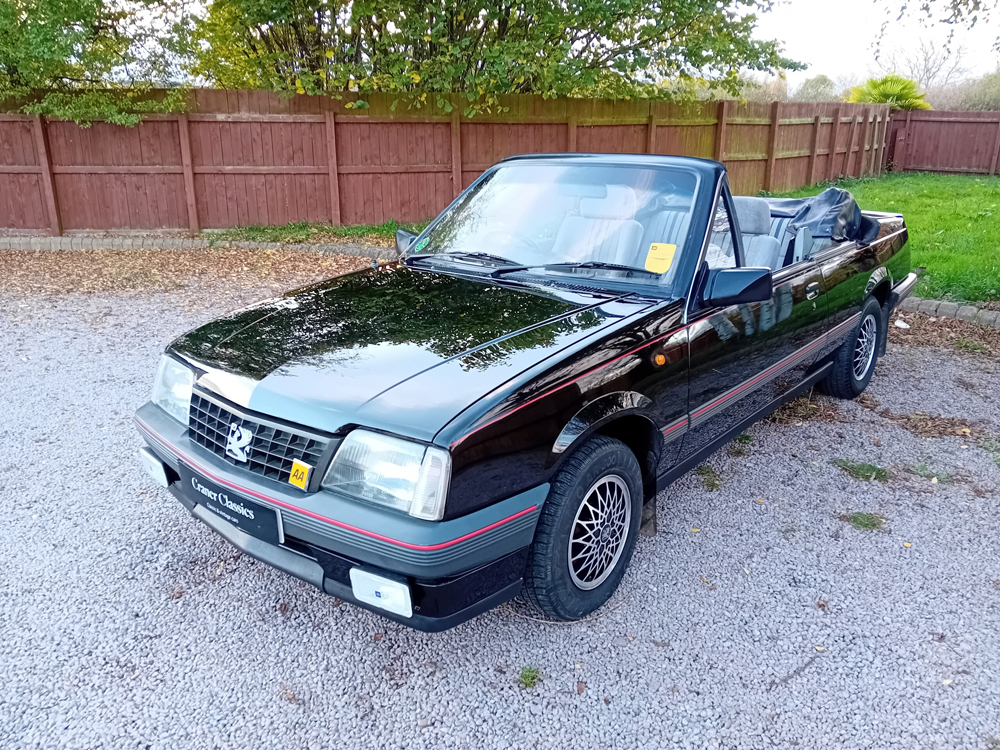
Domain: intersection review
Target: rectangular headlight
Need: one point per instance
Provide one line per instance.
(172, 388)
(390, 471)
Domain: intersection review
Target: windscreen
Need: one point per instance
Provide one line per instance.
(543, 215)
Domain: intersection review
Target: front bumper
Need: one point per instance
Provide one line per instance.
(455, 569)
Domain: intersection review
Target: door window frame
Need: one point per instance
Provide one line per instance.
(722, 192)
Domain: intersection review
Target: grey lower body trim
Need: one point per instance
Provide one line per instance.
(277, 557)
(367, 533)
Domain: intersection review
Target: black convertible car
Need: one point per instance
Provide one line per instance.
(496, 412)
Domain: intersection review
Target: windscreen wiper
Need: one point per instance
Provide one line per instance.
(473, 256)
(598, 264)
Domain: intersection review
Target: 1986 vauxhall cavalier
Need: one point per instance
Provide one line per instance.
(496, 413)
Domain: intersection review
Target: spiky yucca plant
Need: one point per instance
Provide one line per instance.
(892, 89)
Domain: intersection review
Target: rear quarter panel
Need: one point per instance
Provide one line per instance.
(852, 272)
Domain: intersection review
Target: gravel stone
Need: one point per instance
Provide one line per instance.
(125, 623)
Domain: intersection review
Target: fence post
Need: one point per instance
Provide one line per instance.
(571, 132)
(48, 186)
(996, 150)
(331, 159)
(651, 133)
(831, 158)
(185, 139)
(722, 118)
(811, 178)
(772, 146)
(456, 152)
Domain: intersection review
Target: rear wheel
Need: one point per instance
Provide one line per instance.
(586, 533)
(854, 362)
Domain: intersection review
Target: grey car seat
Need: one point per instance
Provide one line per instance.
(605, 230)
(762, 250)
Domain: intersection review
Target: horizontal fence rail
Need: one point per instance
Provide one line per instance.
(251, 157)
(945, 141)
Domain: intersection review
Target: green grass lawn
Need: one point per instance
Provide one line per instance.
(954, 223)
(382, 234)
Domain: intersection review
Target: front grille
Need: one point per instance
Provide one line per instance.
(271, 451)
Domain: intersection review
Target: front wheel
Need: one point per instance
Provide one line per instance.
(586, 533)
(854, 362)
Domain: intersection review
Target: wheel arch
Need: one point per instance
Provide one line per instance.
(879, 288)
(621, 416)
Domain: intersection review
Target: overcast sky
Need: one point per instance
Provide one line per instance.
(837, 37)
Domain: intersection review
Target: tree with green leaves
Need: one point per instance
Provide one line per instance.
(86, 59)
(417, 49)
(892, 89)
(816, 89)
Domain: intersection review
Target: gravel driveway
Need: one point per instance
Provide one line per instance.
(756, 618)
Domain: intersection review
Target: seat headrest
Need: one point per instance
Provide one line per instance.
(618, 204)
(754, 214)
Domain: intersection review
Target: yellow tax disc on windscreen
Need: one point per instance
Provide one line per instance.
(660, 257)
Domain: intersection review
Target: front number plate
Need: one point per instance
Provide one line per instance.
(247, 515)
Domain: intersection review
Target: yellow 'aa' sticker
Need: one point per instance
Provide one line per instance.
(660, 257)
(299, 475)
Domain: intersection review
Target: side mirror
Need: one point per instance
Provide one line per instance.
(737, 286)
(404, 239)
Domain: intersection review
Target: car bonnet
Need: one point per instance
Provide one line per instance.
(335, 354)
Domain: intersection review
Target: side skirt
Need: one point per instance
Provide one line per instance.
(689, 463)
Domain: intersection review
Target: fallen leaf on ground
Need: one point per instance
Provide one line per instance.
(580, 687)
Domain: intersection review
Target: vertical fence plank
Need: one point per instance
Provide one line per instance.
(772, 146)
(907, 140)
(863, 144)
(883, 119)
(831, 159)
(720, 130)
(651, 135)
(334, 176)
(571, 133)
(184, 134)
(813, 150)
(850, 146)
(48, 186)
(456, 152)
(870, 141)
(996, 150)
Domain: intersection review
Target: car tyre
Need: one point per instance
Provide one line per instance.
(855, 359)
(586, 532)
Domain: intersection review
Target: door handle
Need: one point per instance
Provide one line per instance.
(812, 290)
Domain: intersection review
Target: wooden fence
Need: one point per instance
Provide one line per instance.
(945, 141)
(250, 157)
